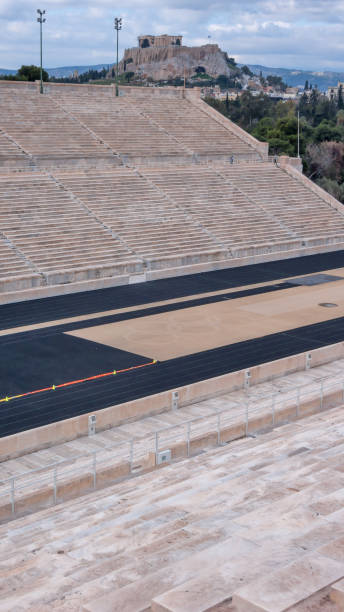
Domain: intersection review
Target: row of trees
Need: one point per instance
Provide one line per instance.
(275, 122)
(27, 73)
(85, 77)
(32, 73)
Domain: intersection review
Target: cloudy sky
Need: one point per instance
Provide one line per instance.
(305, 34)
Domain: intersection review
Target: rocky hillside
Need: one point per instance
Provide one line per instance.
(164, 63)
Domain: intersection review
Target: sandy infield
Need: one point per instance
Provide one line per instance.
(183, 332)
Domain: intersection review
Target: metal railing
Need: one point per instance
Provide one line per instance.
(256, 412)
(244, 158)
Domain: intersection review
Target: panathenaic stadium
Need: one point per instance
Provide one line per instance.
(171, 364)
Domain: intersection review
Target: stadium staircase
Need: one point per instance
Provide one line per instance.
(11, 154)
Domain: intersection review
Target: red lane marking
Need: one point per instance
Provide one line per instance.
(81, 380)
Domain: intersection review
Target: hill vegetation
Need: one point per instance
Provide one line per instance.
(275, 122)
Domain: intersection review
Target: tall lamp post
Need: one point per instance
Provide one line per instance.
(41, 20)
(298, 133)
(118, 26)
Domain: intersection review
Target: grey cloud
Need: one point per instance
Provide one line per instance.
(289, 33)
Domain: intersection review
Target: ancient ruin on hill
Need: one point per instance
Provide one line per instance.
(164, 40)
(165, 57)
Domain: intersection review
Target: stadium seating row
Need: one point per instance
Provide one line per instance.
(79, 128)
(257, 524)
(61, 226)
(95, 186)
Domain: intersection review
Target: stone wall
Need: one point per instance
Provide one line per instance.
(295, 171)
(290, 162)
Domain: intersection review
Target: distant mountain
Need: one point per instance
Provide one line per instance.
(6, 72)
(63, 71)
(66, 71)
(295, 78)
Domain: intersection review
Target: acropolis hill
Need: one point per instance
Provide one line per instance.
(165, 57)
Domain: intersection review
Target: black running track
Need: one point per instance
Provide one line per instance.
(39, 358)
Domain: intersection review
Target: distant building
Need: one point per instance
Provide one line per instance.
(332, 92)
(292, 90)
(164, 40)
(291, 93)
(254, 84)
(215, 92)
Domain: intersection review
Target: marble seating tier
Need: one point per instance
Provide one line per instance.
(94, 187)
(255, 525)
(131, 447)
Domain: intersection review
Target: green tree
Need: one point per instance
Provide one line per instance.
(284, 108)
(32, 73)
(323, 109)
(263, 128)
(340, 117)
(276, 81)
(223, 81)
(304, 106)
(275, 122)
(332, 187)
(12, 77)
(227, 103)
(340, 97)
(327, 131)
(313, 100)
(245, 70)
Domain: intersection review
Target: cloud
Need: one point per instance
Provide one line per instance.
(17, 27)
(283, 33)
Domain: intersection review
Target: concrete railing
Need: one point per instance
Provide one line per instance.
(321, 193)
(108, 90)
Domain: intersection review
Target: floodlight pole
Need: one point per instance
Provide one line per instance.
(118, 26)
(41, 20)
(298, 133)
